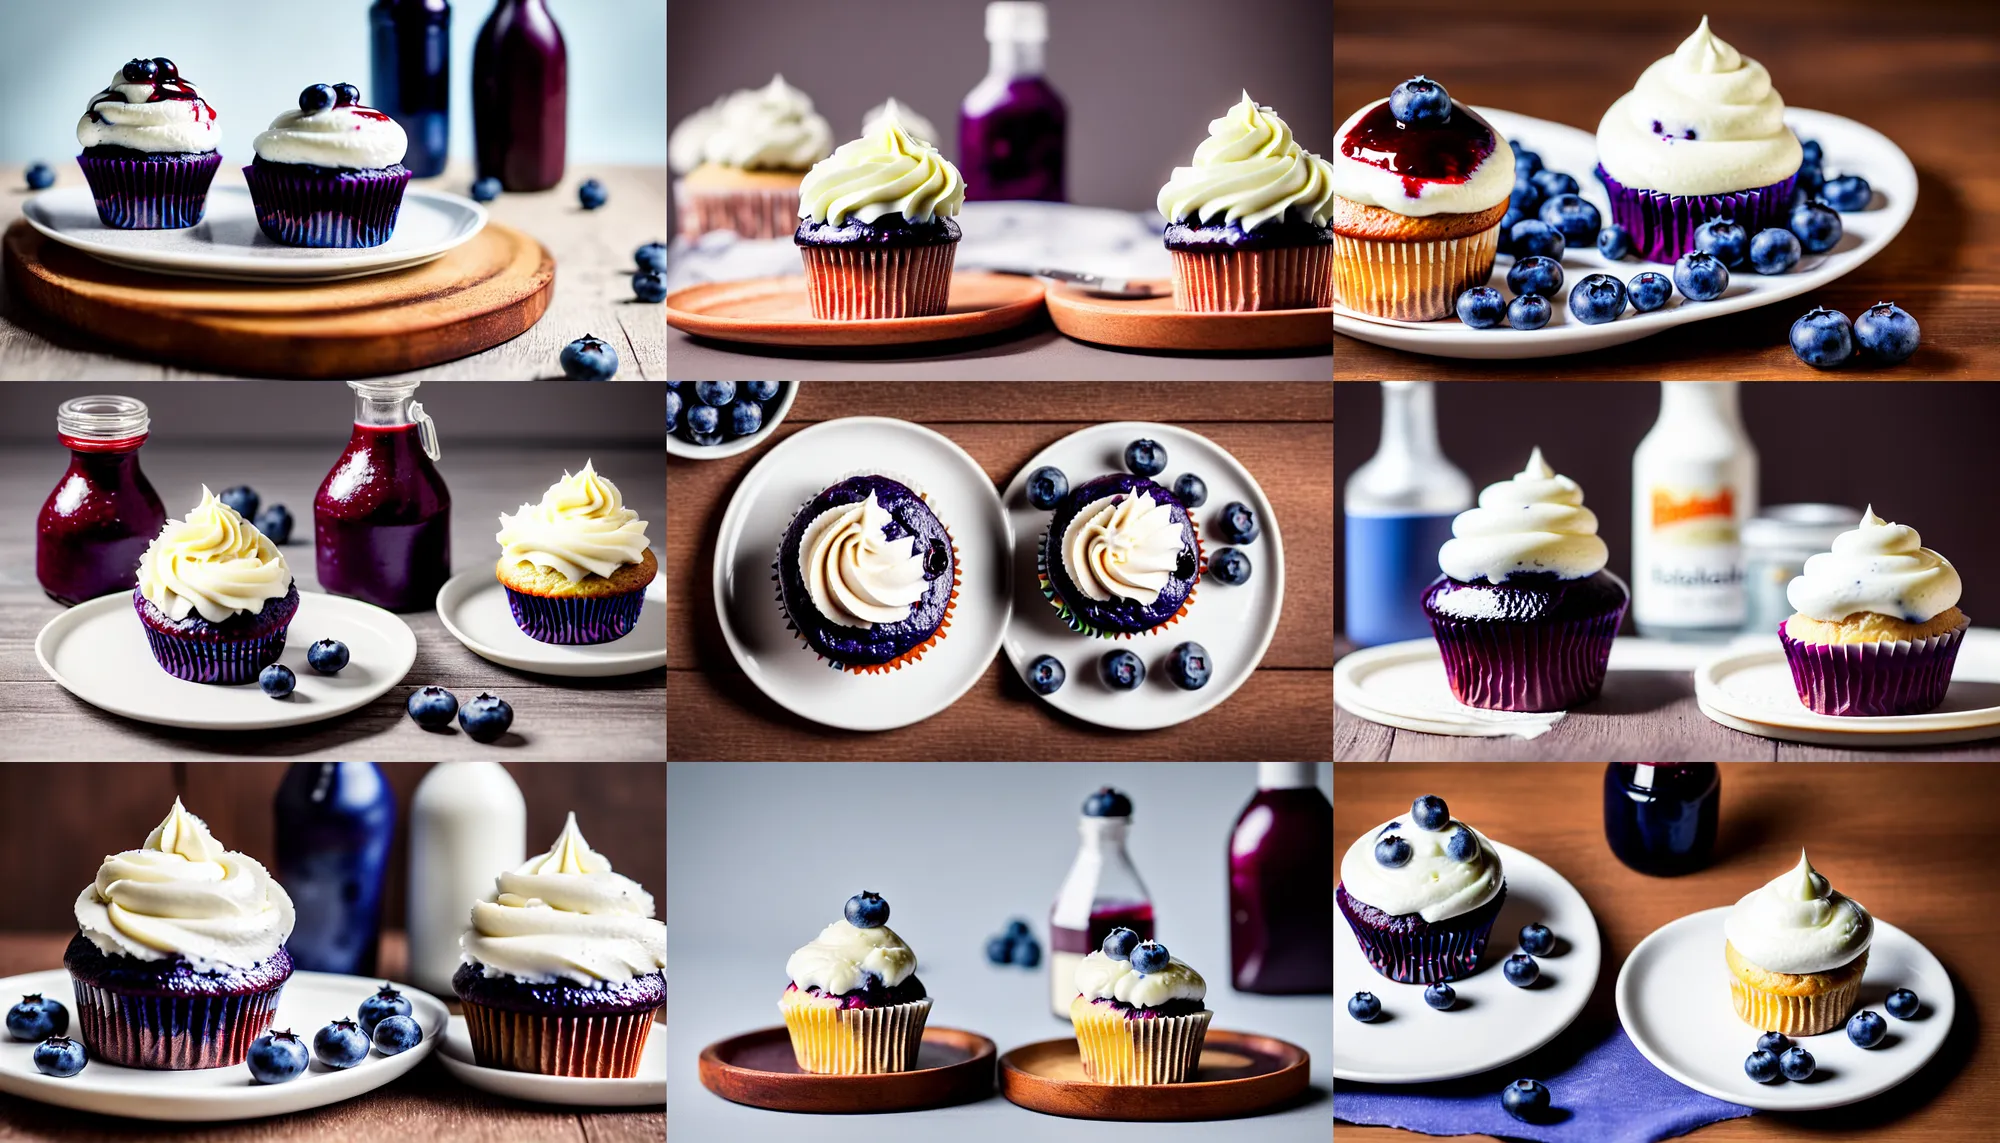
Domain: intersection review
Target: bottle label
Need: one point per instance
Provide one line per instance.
(1689, 569)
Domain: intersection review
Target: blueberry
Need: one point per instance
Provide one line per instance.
(1392, 852)
(1525, 158)
(1150, 957)
(1866, 1029)
(1535, 274)
(745, 417)
(168, 71)
(1701, 276)
(327, 656)
(1886, 332)
(346, 95)
(1420, 102)
(1145, 457)
(1774, 1043)
(1526, 197)
(242, 500)
(1774, 250)
(761, 390)
(1817, 225)
(653, 256)
(1462, 844)
(1797, 1064)
(1848, 192)
(1521, 970)
(1364, 1007)
(340, 1044)
(140, 71)
(1121, 670)
(1724, 238)
(277, 680)
(1813, 153)
(1761, 1066)
(648, 286)
(386, 1002)
(1482, 307)
(37, 1018)
(999, 950)
(276, 524)
(1188, 666)
(1238, 524)
(1553, 183)
(1027, 953)
(717, 393)
(1615, 242)
(1119, 943)
(1576, 219)
(1440, 996)
(1529, 311)
(1515, 216)
(1018, 928)
(1811, 179)
(40, 177)
(396, 1035)
(1525, 1099)
(432, 706)
(1047, 486)
(276, 1057)
(59, 1056)
(1823, 338)
(866, 910)
(1534, 238)
(1649, 291)
(1902, 1004)
(486, 189)
(592, 194)
(315, 99)
(1537, 940)
(1046, 675)
(673, 409)
(704, 420)
(1230, 566)
(1107, 803)
(1430, 812)
(1597, 299)
(588, 358)
(486, 718)
(1191, 490)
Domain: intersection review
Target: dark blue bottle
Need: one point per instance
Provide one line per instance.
(412, 76)
(334, 822)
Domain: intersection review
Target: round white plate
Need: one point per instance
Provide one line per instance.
(647, 1089)
(310, 1001)
(227, 243)
(1851, 148)
(97, 651)
(1235, 623)
(1673, 999)
(473, 607)
(1750, 689)
(797, 469)
(1493, 1022)
(788, 391)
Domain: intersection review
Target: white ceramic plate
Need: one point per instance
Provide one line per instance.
(1235, 623)
(227, 243)
(647, 1089)
(788, 391)
(1750, 689)
(1493, 1022)
(310, 1001)
(473, 607)
(97, 651)
(1851, 148)
(746, 601)
(1673, 999)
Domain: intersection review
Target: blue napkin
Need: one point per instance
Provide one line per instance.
(1609, 1094)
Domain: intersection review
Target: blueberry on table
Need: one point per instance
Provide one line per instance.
(486, 189)
(327, 656)
(648, 286)
(1597, 299)
(1239, 523)
(1797, 1064)
(1230, 566)
(999, 950)
(1121, 670)
(1046, 487)
(432, 706)
(346, 95)
(1482, 307)
(1188, 666)
(1462, 844)
(1701, 276)
(1817, 225)
(1848, 192)
(1535, 274)
(340, 1044)
(704, 419)
(1046, 675)
(37, 1018)
(486, 718)
(1521, 970)
(1774, 1043)
(1537, 940)
(1823, 338)
(589, 359)
(277, 680)
(653, 256)
(40, 177)
(1440, 996)
(761, 390)
(1774, 250)
(1649, 291)
(1119, 943)
(1902, 1004)
(1192, 490)
(1533, 238)
(1018, 928)
(1420, 102)
(866, 910)
(673, 409)
(1149, 957)
(1364, 1007)
(1615, 243)
(316, 98)
(1145, 457)
(1725, 239)
(1107, 803)
(592, 194)
(745, 417)
(386, 1002)
(1392, 852)
(1027, 953)
(1430, 812)
(1525, 1099)
(242, 500)
(1762, 1066)
(276, 524)
(396, 1035)
(1887, 333)
(277, 1057)
(1866, 1028)
(59, 1056)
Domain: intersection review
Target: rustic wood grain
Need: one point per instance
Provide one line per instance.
(759, 1069)
(1854, 818)
(1264, 1075)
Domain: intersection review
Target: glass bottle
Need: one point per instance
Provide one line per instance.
(468, 825)
(1694, 486)
(1012, 125)
(1281, 885)
(1399, 506)
(102, 514)
(1102, 892)
(520, 96)
(382, 517)
(1661, 819)
(335, 821)
(411, 76)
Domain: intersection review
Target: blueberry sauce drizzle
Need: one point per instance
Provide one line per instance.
(1446, 153)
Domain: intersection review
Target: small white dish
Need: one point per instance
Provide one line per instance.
(1673, 999)
(1234, 623)
(227, 244)
(647, 1089)
(97, 651)
(1493, 1022)
(746, 603)
(1749, 688)
(310, 1001)
(473, 607)
(788, 391)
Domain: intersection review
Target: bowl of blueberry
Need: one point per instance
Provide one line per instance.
(708, 420)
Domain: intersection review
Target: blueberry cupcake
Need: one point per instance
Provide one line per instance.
(179, 956)
(867, 574)
(330, 173)
(1139, 1013)
(564, 966)
(854, 1005)
(149, 148)
(1876, 625)
(1524, 613)
(876, 227)
(1121, 557)
(1796, 951)
(740, 161)
(1421, 893)
(215, 596)
(576, 565)
(1250, 221)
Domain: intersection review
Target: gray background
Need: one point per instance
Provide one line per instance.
(762, 856)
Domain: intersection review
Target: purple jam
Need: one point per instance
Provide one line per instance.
(97, 521)
(382, 521)
(1447, 153)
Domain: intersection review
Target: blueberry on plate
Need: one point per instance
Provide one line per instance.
(432, 706)
(704, 420)
(1535, 274)
(1364, 1007)
(1811, 179)
(277, 680)
(486, 189)
(592, 194)
(1537, 940)
(648, 286)
(1866, 1029)
(1724, 238)
(1813, 152)
(1521, 970)
(1121, 670)
(1515, 216)
(1392, 852)
(1430, 812)
(1797, 1064)
(242, 500)
(396, 1035)
(386, 1002)
(1238, 523)
(1533, 238)
(37, 1018)
(1047, 486)
(1574, 218)
(1191, 489)
(1462, 844)
(1615, 243)
(1553, 183)
(761, 390)
(745, 417)
(1046, 675)
(340, 1045)
(1420, 102)
(1525, 1099)
(1823, 338)
(1886, 333)
(1523, 157)
(1230, 566)
(1701, 276)
(717, 393)
(60, 1056)
(1188, 666)
(276, 524)
(1529, 311)
(588, 358)
(1774, 250)
(999, 950)
(1902, 1004)
(1817, 225)
(1482, 307)
(327, 656)
(1597, 299)
(1107, 803)
(1774, 1043)
(1145, 457)
(1762, 1066)
(40, 177)
(1848, 192)
(277, 1057)
(486, 718)
(1649, 291)
(1525, 198)
(653, 256)
(1149, 957)
(1440, 996)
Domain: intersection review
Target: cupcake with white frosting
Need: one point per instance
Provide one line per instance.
(1420, 894)
(854, 1005)
(575, 565)
(1524, 613)
(1876, 625)
(149, 148)
(867, 574)
(1121, 557)
(741, 159)
(1139, 1013)
(330, 173)
(215, 596)
(877, 227)
(1796, 951)
(1701, 135)
(920, 128)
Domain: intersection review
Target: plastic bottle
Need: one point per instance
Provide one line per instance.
(1013, 126)
(1694, 486)
(1399, 507)
(468, 825)
(1281, 885)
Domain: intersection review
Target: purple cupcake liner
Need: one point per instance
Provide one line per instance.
(151, 194)
(1448, 950)
(171, 1032)
(349, 210)
(1873, 679)
(1663, 225)
(210, 656)
(577, 621)
(1536, 665)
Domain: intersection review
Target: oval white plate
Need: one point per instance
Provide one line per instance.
(1493, 1022)
(97, 651)
(1235, 623)
(788, 391)
(310, 1001)
(746, 600)
(473, 607)
(1673, 999)
(1751, 690)
(227, 243)
(1851, 148)
(647, 1089)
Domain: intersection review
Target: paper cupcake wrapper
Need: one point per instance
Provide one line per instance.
(1075, 622)
(577, 621)
(751, 213)
(344, 213)
(833, 1041)
(1115, 1050)
(1873, 679)
(223, 662)
(856, 283)
(906, 658)
(1526, 666)
(134, 194)
(1286, 278)
(1411, 281)
(598, 1047)
(1441, 952)
(1795, 1015)
(1663, 225)
(171, 1033)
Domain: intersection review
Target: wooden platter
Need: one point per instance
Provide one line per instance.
(1154, 323)
(758, 1069)
(485, 292)
(774, 311)
(1241, 1074)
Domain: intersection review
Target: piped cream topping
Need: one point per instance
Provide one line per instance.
(1797, 923)
(1100, 977)
(1878, 567)
(886, 171)
(1249, 171)
(855, 574)
(1124, 546)
(580, 528)
(842, 958)
(212, 562)
(1534, 522)
(565, 916)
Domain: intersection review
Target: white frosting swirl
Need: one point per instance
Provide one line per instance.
(856, 575)
(1100, 977)
(565, 916)
(212, 562)
(920, 128)
(886, 171)
(1702, 121)
(1878, 567)
(773, 127)
(580, 528)
(1124, 546)
(842, 957)
(1797, 923)
(182, 894)
(1431, 884)
(166, 126)
(1486, 187)
(1535, 522)
(352, 137)
(1249, 171)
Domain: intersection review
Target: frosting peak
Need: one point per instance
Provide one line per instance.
(565, 916)
(1535, 522)
(1124, 546)
(1702, 52)
(581, 528)
(1100, 977)
(1431, 884)
(842, 958)
(1249, 171)
(856, 575)
(212, 562)
(1878, 567)
(1797, 923)
(886, 171)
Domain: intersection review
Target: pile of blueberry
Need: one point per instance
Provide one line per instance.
(274, 522)
(383, 1021)
(721, 410)
(44, 1022)
(1014, 946)
(484, 719)
(1777, 1057)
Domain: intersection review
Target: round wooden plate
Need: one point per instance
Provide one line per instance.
(1241, 1074)
(487, 291)
(759, 1069)
(1154, 323)
(774, 311)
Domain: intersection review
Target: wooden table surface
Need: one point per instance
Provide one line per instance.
(1283, 433)
(593, 293)
(1891, 837)
(426, 1104)
(1921, 73)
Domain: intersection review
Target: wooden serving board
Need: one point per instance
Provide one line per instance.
(775, 311)
(1154, 323)
(485, 292)
(759, 1069)
(1240, 1074)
